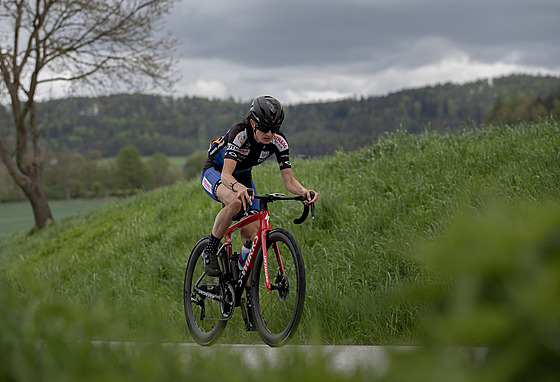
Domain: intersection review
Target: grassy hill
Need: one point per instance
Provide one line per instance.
(117, 273)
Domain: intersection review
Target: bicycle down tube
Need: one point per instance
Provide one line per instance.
(259, 239)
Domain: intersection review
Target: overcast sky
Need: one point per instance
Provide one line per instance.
(309, 50)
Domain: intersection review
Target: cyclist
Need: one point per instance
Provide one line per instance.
(226, 174)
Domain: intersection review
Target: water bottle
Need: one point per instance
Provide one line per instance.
(245, 249)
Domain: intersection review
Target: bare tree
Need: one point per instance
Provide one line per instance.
(94, 43)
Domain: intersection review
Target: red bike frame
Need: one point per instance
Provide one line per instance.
(259, 240)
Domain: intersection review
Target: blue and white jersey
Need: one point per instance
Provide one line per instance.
(240, 145)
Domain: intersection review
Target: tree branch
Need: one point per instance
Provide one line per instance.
(72, 41)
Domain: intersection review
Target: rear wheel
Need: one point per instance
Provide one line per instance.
(203, 314)
(277, 311)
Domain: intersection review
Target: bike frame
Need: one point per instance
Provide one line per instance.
(228, 290)
(259, 240)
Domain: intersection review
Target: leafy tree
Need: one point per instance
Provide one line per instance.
(522, 107)
(130, 171)
(194, 164)
(162, 171)
(99, 44)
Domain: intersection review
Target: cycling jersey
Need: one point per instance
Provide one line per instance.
(240, 145)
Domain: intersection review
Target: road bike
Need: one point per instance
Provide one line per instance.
(273, 304)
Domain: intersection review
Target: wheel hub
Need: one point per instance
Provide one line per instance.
(283, 287)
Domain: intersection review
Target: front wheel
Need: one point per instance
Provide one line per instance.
(277, 311)
(203, 314)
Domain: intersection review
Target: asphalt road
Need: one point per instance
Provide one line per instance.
(340, 358)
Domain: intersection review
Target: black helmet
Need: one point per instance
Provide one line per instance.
(268, 113)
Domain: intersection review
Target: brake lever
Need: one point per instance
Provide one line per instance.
(250, 192)
(312, 194)
(306, 210)
(313, 211)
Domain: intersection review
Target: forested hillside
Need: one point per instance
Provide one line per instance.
(325, 127)
(81, 132)
(181, 126)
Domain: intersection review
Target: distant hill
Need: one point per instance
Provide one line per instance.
(349, 124)
(181, 126)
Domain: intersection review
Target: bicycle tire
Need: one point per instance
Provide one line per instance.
(277, 312)
(208, 329)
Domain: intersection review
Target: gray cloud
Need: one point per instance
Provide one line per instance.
(332, 45)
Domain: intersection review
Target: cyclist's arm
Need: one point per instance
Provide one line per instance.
(295, 187)
(228, 181)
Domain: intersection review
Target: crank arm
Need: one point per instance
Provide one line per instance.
(209, 295)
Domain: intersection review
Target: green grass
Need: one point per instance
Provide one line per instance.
(378, 207)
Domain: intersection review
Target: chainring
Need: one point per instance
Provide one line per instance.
(227, 302)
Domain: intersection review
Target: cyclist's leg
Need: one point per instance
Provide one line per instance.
(211, 182)
(232, 205)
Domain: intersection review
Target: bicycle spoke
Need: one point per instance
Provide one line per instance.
(280, 308)
(202, 300)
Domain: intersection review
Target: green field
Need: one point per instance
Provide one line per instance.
(178, 161)
(18, 216)
(433, 239)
